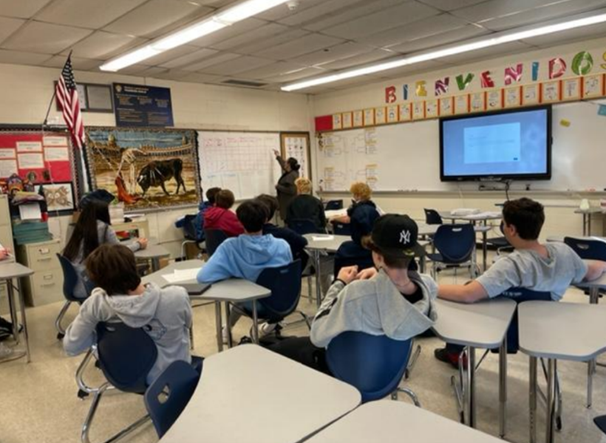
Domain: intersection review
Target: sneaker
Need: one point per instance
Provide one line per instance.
(451, 358)
(5, 351)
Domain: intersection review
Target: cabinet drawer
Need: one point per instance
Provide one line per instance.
(41, 257)
(45, 287)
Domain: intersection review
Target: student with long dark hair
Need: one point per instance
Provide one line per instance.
(92, 229)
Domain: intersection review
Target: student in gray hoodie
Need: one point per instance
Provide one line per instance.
(392, 300)
(120, 296)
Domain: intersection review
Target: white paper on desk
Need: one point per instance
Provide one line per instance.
(181, 275)
(482, 215)
(30, 211)
(322, 237)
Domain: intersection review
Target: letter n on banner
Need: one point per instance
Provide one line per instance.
(513, 74)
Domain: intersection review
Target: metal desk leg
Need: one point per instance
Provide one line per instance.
(23, 320)
(218, 322)
(255, 328)
(594, 296)
(533, 399)
(12, 309)
(470, 394)
(551, 394)
(318, 277)
(230, 343)
(422, 264)
(502, 387)
(484, 246)
(155, 264)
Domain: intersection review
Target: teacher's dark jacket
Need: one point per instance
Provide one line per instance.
(286, 188)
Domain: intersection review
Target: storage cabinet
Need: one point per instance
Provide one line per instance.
(46, 284)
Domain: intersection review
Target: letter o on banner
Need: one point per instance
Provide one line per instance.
(582, 63)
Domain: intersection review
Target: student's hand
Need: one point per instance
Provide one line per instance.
(276, 153)
(348, 274)
(367, 274)
(143, 242)
(3, 253)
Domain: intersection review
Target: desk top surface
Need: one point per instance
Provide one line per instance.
(425, 229)
(233, 289)
(568, 331)
(482, 324)
(250, 394)
(12, 269)
(388, 421)
(152, 251)
(481, 216)
(325, 242)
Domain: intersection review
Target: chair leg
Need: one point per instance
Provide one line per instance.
(191, 336)
(411, 394)
(60, 330)
(305, 318)
(84, 390)
(309, 292)
(412, 362)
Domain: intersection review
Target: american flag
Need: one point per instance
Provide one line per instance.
(67, 95)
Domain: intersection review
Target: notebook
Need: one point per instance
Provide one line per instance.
(196, 288)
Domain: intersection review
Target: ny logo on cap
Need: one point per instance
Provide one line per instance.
(405, 237)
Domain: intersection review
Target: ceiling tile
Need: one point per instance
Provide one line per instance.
(8, 26)
(79, 64)
(45, 38)
(454, 36)
(283, 11)
(328, 55)
(382, 20)
(497, 8)
(102, 45)
(273, 70)
(153, 71)
(319, 11)
(196, 77)
(451, 5)
(254, 35)
(348, 11)
(355, 61)
(21, 8)
(260, 44)
(584, 33)
(413, 31)
(300, 46)
(153, 16)
(487, 53)
(237, 65)
(169, 74)
(185, 60)
(167, 56)
(86, 13)
(240, 29)
(22, 58)
(296, 75)
(220, 57)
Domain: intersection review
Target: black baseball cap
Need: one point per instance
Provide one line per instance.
(396, 235)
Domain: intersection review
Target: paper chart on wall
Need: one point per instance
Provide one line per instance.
(242, 162)
(296, 146)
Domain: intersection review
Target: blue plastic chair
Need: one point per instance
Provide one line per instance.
(600, 422)
(351, 254)
(587, 249)
(432, 217)
(303, 226)
(455, 245)
(191, 233)
(339, 228)
(333, 205)
(373, 364)
(70, 280)
(214, 237)
(169, 394)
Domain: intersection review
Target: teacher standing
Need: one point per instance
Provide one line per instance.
(286, 188)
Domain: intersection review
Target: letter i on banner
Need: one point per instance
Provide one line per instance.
(535, 71)
(405, 92)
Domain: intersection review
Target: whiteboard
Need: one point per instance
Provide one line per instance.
(406, 157)
(242, 162)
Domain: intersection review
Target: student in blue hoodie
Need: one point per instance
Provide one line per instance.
(247, 255)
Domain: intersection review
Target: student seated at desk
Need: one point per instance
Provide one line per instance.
(362, 214)
(92, 229)
(550, 267)
(221, 217)
(248, 255)
(296, 241)
(306, 206)
(393, 301)
(165, 313)
(203, 207)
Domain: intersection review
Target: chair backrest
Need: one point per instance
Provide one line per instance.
(70, 280)
(432, 217)
(302, 226)
(333, 205)
(285, 285)
(520, 295)
(214, 237)
(339, 228)
(190, 229)
(126, 355)
(351, 254)
(587, 249)
(373, 364)
(455, 242)
(169, 394)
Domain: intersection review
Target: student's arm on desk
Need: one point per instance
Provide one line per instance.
(468, 293)
(216, 268)
(595, 269)
(341, 219)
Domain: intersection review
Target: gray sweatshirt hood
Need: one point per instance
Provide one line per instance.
(135, 311)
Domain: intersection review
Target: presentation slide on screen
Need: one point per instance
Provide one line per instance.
(502, 144)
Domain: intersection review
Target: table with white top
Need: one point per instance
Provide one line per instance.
(389, 421)
(587, 213)
(477, 325)
(250, 394)
(10, 270)
(322, 244)
(232, 290)
(153, 252)
(558, 331)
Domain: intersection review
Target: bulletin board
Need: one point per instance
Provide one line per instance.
(40, 157)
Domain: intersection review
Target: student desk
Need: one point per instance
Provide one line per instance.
(558, 331)
(318, 244)
(477, 325)
(9, 270)
(232, 290)
(250, 394)
(154, 252)
(587, 213)
(389, 421)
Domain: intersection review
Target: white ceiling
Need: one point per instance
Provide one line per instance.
(276, 47)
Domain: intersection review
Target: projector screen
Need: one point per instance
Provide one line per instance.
(501, 145)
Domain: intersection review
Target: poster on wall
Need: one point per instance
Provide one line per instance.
(296, 144)
(35, 156)
(140, 105)
(145, 168)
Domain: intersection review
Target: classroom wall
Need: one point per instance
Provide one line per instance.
(560, 220)
(28, 90)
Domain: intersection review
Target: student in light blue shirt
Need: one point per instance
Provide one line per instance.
(247, 255)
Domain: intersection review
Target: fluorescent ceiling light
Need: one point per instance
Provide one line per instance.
(207, 26)
(473, 46)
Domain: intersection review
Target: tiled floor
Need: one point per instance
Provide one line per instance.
(40, 404)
